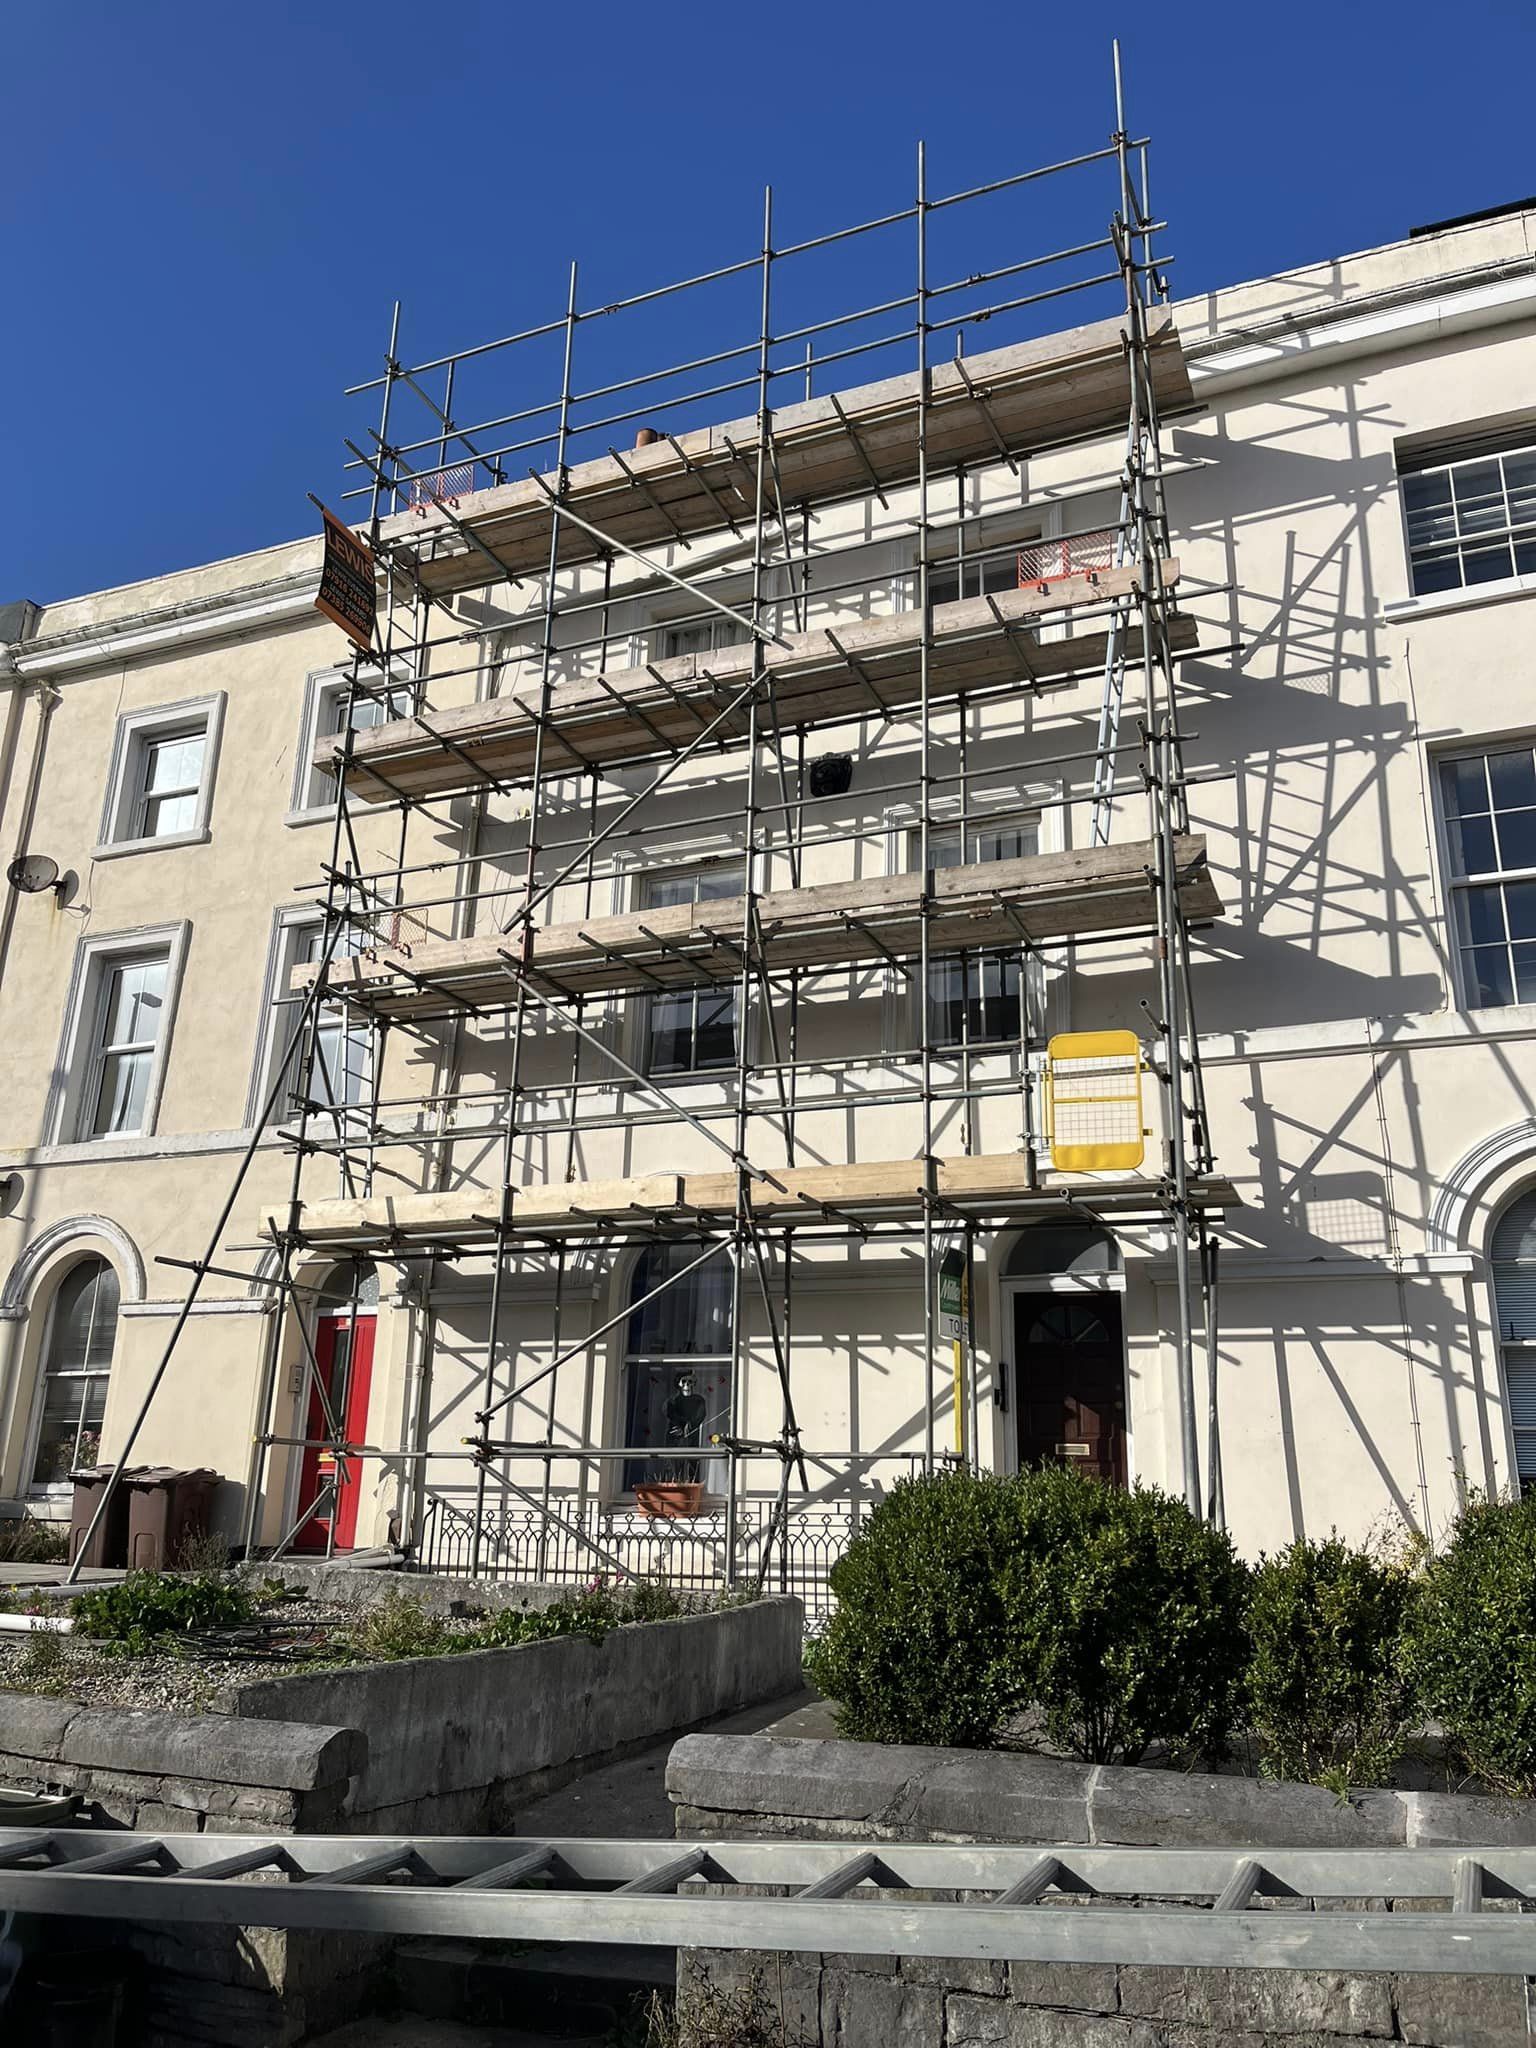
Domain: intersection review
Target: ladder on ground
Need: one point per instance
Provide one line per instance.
(1211, 1907)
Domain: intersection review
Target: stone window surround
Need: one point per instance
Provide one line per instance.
(130, 742)
(94, 956)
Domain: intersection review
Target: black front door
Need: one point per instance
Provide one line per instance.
(1069, 1380)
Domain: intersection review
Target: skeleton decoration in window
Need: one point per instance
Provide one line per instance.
(678, 1369)
(77, 1360)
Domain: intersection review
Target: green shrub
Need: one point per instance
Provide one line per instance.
(29, 1541)
(1114, 1618)
(1329, 1699)
(915, 1647)
(1471, 1643)
(592, 1613)
(148, 1608)
(1124, 1619)
(399, 1626)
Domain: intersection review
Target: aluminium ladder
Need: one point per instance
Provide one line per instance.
(1199, 1907)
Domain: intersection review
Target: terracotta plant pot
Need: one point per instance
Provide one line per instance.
(669, 1500)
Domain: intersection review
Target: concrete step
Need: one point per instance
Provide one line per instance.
(575, 1991)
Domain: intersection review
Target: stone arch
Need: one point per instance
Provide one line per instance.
(1480, 1184)
(15, 1296)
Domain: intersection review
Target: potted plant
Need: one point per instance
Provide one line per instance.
(673, 1492)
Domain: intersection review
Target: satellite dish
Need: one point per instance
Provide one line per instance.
(31, 873)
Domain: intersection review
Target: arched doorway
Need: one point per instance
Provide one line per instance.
(1061, 1290)
(1512, 1254)
(330, 1485)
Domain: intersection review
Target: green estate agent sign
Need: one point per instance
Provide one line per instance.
(953, 1305)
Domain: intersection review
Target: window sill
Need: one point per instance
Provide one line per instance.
(1466, 599)
(116, 848)
(322, 814)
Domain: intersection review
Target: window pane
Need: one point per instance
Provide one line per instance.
(164, 815)
(1011, 842)
(715, 883)
(1520, 909)
(1464, 786)
(135, 992)
(943, 582)
(1438, 571)
(1490, 984)
(1480, 916)
(691, 1316)
(1471, 843)
(1520, 484)
(1525, 973)
(1487, 562)
(943, 848)
(1479, 489)
(174, 764)
(1513, 778)
(672, 1032)
(121, 1095)
(340, 1073)
(1517, 839)
(715, 1045)
(1428, 509)
(84, 1321)
(70, 1434)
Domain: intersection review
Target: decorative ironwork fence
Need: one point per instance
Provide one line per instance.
(522, 1543)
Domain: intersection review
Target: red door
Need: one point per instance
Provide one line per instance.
(1070, 1381)
(346, 1370)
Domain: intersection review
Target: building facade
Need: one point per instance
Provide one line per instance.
(1350, 481)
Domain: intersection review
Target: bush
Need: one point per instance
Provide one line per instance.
(1471, 1643)
(1115, 1618)
(399, 1626)
(1329, 1698)
(29, 1541)
(147, 1608)
(591, 1613)
(915, 1649)
(1124, 1619)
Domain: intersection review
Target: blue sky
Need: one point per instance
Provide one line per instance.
(209, 210)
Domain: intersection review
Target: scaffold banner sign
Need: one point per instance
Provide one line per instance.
(347, 589)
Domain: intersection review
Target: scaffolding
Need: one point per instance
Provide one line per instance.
(576, 736)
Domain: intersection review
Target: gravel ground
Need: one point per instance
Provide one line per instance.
(186, 1680)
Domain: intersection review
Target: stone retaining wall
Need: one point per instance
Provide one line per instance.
(752, 1785)
(170, 1774)
(437, 1745)
(456, 1744)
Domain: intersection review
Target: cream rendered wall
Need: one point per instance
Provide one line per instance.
(163, 1189)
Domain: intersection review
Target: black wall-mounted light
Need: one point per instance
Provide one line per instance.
(831, 774)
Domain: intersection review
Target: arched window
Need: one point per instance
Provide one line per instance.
(677, 1365)
(1513, 1253)
(1062, 1248)
(77, 1359)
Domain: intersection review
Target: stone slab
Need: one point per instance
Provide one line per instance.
(285, 1756)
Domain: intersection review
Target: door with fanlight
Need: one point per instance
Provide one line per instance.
(1069, 1382)
(329, 1481)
